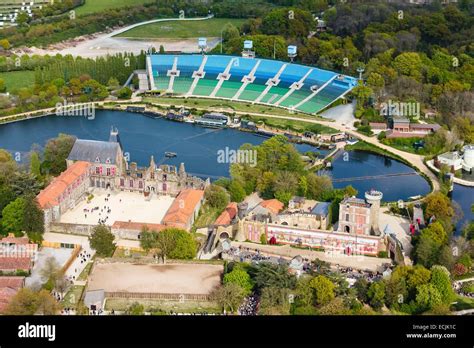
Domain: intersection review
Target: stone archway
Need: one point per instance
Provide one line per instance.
(347, 229)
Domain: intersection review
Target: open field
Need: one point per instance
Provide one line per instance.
(181, 29)
(18, 79)
(92, 6)
(124, 206)
(155, 278)
(162, 307)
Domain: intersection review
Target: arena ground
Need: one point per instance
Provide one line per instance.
(153, 278)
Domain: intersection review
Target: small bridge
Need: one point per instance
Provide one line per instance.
(368, 177)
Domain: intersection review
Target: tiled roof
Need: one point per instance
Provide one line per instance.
(229, 213)
(182, 209)
(93, 150)
(15, 240)
(6, 294)
(14, 263)
(433, 127)
(273, 205)
(49, 196)
(137, 226)
(12, 282)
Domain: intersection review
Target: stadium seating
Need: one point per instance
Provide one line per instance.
(294, 86)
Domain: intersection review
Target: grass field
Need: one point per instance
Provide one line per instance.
(18, 79)
(92, 6)
(153, 305)
(226, 104)
(181, 29)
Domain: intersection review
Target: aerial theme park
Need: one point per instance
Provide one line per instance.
(293, 159)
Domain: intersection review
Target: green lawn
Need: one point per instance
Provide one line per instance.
(73, 296)
(155, 305)
(181, 29)
(85, 272)
(463, 303)
(239, 106)
(92, 6)
(18, 79)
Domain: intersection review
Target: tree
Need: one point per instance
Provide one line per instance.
(148, 239)
(29, 302)
(216, 196)
(124, 93)
(3, 87)
(55, 153)
(50, 272)
(229, 296)
(427, 297)
(275, 301)
(33, 218)
(241, 278)
(376, 294)
(324, 289)
(335, 307)
(229, 32)
(266, 274)
(408, 64)
(426, 251)
(113, 84)
(439, 205)
(185, 246)
(102, 241)
(35, 165)
(362, 286)
(135, 309)
(5, 44)
(12, 217)
(440, 279)
(237, 192)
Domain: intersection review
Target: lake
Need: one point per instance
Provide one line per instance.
(197, 147)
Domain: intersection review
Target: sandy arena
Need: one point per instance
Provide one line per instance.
(124, 206)
(152, 278)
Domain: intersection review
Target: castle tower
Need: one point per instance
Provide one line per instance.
(181, 171)
(152, 163)
(373, 197)
(114, 136)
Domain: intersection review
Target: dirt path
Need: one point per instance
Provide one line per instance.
(101, 44)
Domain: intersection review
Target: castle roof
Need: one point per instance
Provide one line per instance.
(182, 209)
(50, 195)
(273, 205)
(94, 151)
(226, 217)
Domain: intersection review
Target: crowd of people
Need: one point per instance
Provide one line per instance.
(461, 288)
(249, 306)
(103, 213)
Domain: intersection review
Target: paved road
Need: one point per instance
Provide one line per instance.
(356, 261)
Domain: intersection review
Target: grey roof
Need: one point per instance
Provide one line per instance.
(94, 151)
(93, 297)
(322, 209)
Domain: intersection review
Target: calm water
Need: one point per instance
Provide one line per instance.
(360, 165)
(464, 196)
(197, 147)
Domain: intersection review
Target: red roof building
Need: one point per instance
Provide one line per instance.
(226, 217)
(184, 210)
